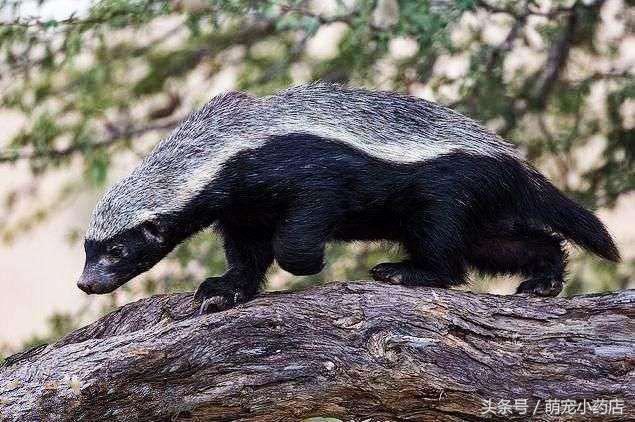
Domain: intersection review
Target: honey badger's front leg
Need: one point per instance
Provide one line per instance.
(297, 243)
(248, 254)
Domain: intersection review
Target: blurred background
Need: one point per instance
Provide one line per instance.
(87, 88)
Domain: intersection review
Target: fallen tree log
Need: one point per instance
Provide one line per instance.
(355, 350)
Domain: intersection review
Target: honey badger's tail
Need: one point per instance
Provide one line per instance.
(571, 220)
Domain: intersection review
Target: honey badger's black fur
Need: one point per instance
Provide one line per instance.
(294, 193)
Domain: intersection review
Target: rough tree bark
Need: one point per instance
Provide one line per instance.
(358, 350)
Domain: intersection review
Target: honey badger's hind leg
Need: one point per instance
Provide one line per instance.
(436, 259)
(248, 258)
(534, 254)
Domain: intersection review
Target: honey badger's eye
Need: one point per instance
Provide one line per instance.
(116, 252)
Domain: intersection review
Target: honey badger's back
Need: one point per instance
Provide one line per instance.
(386, 125)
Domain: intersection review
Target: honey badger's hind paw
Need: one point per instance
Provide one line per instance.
(546, 287)
(410, 275)
(214, 295)
(388, 272)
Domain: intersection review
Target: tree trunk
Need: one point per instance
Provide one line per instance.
(355, 350)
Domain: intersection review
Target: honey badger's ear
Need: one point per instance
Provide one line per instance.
(152, 231)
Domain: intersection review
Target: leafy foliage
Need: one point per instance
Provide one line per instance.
(98, 88)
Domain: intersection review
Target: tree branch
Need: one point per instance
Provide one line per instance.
(556, 61)
(116, 136)
(103, 17)
(349, 350)
(529, 11)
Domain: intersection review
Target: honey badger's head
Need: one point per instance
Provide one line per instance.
(135, 225)
(113, 261)
(139, 221)
(144, 216)
(128, 234)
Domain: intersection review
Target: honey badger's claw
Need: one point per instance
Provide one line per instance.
(214, 304)
(215, 295)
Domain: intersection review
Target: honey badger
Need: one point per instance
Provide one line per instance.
(281, 176)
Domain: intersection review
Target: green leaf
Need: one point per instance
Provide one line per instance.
(98, 168)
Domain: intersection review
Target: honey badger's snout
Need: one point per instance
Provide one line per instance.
(85, 284)
(95, 281)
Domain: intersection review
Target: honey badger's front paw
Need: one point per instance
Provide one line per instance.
(215, 295)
